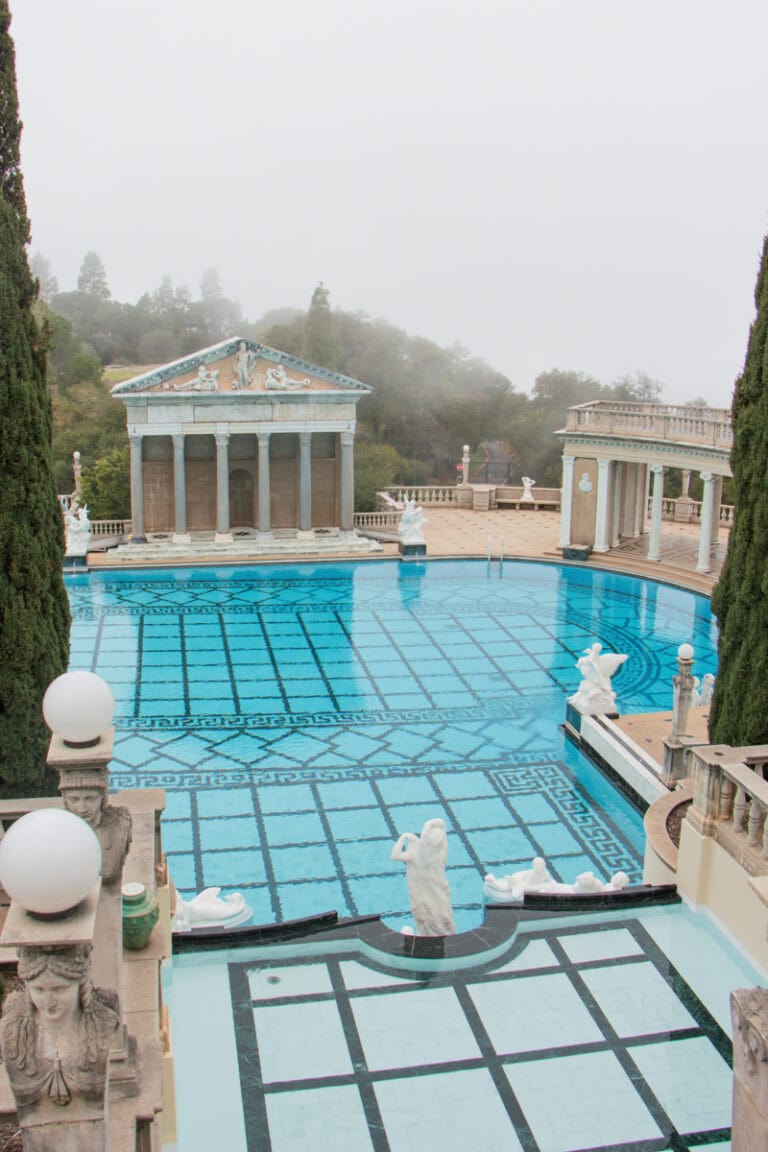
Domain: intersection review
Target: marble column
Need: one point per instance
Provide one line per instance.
(643, 493)
(305, 484)
(717, 500)
(616, 510)
(654, 542)
(347, 481)
(705, 528)
(265, 522)
(137, 490)
(223, 534)
(566, 501)
(180, 534)
(604, 476)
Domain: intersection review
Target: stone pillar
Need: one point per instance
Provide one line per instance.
(265, 522)
(604, 475)
(686, 481)
(749, 1014)
(566, 501)
(705, 529)
(223, 534)
(180, 534)
(305, 485)
(137, 489)
(347, 481)
(717, 499)
(654, 543)
(616, 510)
(465, 465)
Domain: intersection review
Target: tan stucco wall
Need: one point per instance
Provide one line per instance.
(583, 504)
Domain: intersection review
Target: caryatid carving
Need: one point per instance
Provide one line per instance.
(56, 1032)
(85, 794)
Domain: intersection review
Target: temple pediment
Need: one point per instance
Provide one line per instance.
(239, 367)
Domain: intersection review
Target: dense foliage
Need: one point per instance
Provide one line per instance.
(739, 713)
(34, 611)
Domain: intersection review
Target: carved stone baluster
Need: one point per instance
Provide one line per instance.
(755, 823)
(726, 798)
(739, 809)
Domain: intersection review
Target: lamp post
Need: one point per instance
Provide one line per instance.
(677, 744)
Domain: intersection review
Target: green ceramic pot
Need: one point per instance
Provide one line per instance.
(140, 914)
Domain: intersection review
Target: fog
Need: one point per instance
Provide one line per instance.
(578, 184)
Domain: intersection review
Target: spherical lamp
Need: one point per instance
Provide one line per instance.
(79, 706)
(49, 861)
(685, 652)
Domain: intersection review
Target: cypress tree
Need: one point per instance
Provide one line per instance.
(34, 611)
(739, 713)
(319, 338)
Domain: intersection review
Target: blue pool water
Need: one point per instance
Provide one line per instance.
(301, 717)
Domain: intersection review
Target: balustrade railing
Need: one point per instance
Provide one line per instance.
(689, 511)
(730, 801)
(430, 494)
(386, 520)
(111, 527)
(711, 426)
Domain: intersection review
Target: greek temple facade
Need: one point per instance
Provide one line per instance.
(241, 439)
(615, 456)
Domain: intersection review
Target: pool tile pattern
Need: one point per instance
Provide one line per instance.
(532, 1052)
(300, 718)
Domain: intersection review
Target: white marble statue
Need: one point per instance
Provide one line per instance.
(512, 888)
(78, 530)
(77, 470)
(595, 696)
(425, 858)
(411, 527)
(205, 381)
(278, 381)
(209, 910)
(707, 688)
(245, 363)
(585, 484)
(528, 484)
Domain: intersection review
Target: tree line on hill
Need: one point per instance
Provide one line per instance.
(427, 401)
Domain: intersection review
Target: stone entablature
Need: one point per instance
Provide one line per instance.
(240, 435)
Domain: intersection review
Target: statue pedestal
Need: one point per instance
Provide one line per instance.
(412, 551)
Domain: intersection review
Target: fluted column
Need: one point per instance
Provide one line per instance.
(717, 500)
(654, 541)
(305, 482)
(223, 534)
(265, 522)
(180, 534)
(566, 501)
(137, 490)
(347, 481)
(616, 502)
(705, 529)
(603, 505)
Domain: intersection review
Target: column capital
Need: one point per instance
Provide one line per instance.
(263, 438)
(178, 439)
(657, 469)
(135, 438)
(305, 438)
(604, 465)
(222, 439)
(568, 459)
(707, 477)
(347, 439)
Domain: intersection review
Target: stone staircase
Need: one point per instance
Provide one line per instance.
(281, 544)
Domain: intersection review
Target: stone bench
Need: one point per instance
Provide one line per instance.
(542, 498)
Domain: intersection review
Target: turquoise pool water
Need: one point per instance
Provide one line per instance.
(301, 717)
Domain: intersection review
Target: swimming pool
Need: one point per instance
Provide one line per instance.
(301, 717)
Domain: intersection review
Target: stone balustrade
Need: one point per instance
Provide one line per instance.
(387, 520)
(443, 495)
(111, 528)
(730, 801)
(685, 510)
(709, 426)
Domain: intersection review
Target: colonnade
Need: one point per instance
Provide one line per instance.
(223, 532)
(608, 511)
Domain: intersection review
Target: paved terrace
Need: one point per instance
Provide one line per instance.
(527, 534)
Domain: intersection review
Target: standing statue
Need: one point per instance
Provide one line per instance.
(245, 363)
(56, 1034)
(85, 794)
(595, 696)
(411, 527)
(77, 469)
(707, 688)
(528, 484)
(425, 859)
(78, 530)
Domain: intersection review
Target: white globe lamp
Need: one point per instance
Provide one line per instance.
(79, 707)
(50, 860)
(685, 652)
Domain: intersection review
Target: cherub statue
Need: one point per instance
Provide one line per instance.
(595, 696)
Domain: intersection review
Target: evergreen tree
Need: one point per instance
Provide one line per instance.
(319, 338)
(92, 278)
(34, 612)
(739, 713)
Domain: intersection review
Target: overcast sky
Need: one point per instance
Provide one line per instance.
(577, 184)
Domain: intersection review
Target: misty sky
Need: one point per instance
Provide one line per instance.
(556, 183)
